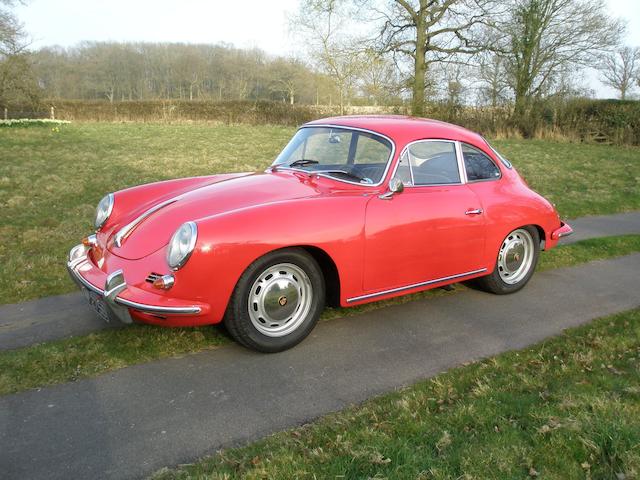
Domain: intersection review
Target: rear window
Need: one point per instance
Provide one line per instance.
(502, 159)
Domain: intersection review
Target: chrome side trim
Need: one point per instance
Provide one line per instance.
(415, 285)
(319, 172)
(125, 231)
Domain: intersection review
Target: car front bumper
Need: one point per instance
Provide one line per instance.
(116, 299)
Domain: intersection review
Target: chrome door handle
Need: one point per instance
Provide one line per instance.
(476, 211)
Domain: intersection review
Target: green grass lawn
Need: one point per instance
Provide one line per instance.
(108, 350)
(567, 408)
(52, 178)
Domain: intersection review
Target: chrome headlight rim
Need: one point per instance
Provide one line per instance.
(102, 215)
(192, 229)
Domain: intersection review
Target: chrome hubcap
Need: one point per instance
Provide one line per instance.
(280, 300)
(516, 256)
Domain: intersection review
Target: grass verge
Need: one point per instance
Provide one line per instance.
(70, 359)
(566, 408)
(52, 178)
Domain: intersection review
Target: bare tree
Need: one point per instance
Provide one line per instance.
(542, 39)
(620, 69)
(379, 78)
(494, 87)
(431, 31)
(337, 54)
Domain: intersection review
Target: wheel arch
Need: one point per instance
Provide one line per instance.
(541, 234)
(329, 272)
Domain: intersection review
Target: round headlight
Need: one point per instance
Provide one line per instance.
(103, 211)
(181, 245)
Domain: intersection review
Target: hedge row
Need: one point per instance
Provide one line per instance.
(262, 112)
(607, 121)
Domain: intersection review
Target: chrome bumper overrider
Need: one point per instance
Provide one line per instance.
(115, 284)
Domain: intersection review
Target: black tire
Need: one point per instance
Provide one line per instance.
(495, 282)
(253, 329)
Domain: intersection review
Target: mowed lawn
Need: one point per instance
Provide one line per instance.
(51, 180)
(566, 408)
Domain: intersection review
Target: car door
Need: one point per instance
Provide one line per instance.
(433, 229)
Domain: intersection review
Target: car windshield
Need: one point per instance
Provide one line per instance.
(348, 155)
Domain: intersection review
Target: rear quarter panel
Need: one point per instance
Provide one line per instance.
(508, 203)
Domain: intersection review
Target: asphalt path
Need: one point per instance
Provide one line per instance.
(131, 422)
(69, 315)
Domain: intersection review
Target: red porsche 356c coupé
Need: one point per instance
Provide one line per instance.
(354, 209)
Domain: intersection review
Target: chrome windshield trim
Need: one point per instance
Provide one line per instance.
(319, 172)
(125, 231)
(414, 285)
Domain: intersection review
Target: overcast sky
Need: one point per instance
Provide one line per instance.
(246, 23)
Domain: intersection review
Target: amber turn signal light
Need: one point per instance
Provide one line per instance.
(90, 241)
(164, 282)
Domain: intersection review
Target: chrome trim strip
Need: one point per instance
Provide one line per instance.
(125, 231)
(415, 285)
(462, 169)
(318, 172)
(158, 309)
(142, 307)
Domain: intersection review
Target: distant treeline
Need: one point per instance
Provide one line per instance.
(144, 71)
(604, 121)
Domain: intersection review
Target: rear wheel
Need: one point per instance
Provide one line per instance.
(516, 262)
(277, 301)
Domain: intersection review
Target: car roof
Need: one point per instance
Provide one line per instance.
(404, 129)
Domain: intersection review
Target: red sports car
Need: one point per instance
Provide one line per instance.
(354, 210)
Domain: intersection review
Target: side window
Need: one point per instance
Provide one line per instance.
(433, 163)
(478, 165)
(403, 171)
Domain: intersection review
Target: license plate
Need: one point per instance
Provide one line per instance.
(98, 304)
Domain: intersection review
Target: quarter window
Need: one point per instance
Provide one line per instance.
(478, 165)
(429, 163)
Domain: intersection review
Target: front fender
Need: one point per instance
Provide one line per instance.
(228, 243)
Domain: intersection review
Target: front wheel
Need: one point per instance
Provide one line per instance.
(516, 262)
(277, 301)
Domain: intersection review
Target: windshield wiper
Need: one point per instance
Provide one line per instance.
(348, 174)
(302, 162)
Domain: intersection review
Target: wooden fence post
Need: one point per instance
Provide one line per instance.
(53, 113)
(6, 113)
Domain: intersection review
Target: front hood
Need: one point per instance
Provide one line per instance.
(155, 231)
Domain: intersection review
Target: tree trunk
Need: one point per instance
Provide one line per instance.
(417, 102)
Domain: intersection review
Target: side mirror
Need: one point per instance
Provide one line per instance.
(395, 186)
